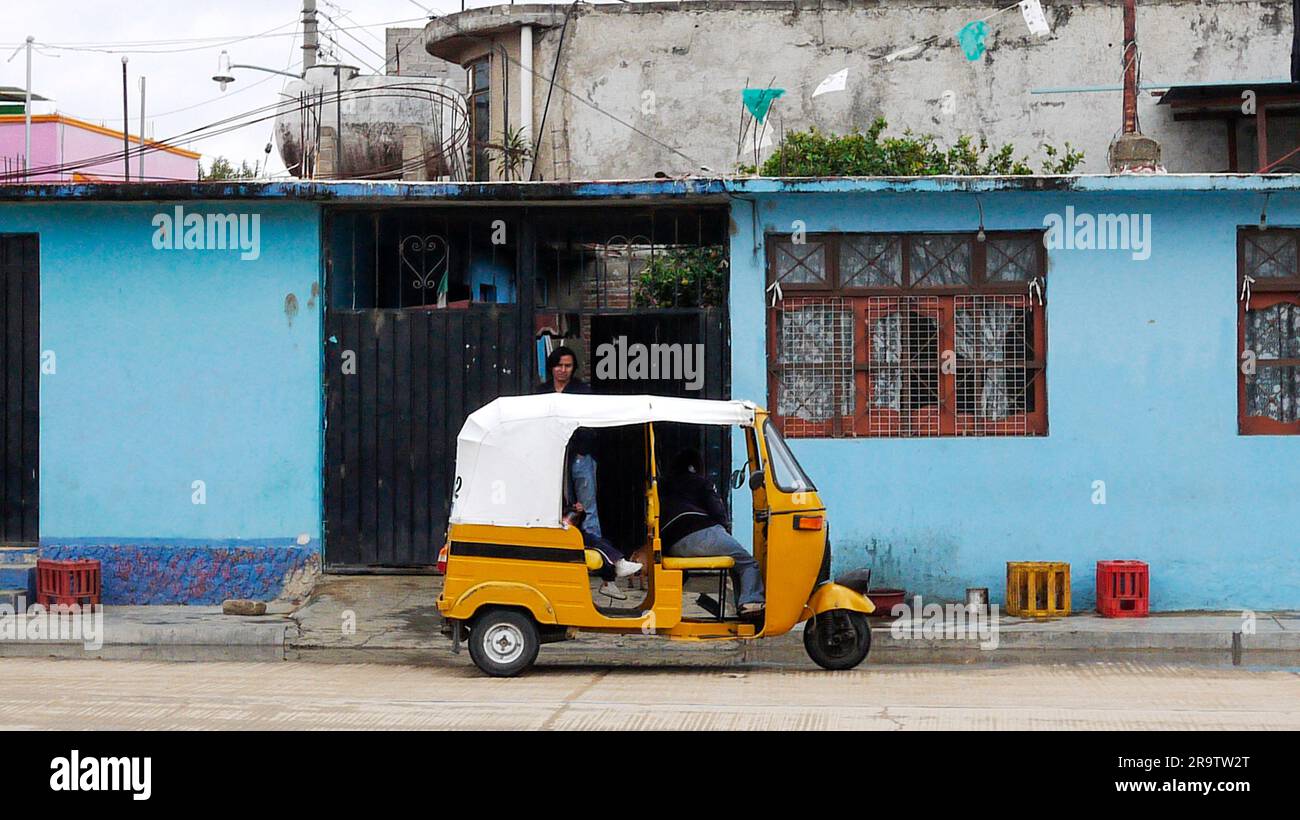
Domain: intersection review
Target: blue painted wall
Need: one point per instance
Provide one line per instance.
(175, 366)
(1142, 394)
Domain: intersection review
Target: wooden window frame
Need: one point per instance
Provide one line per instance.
(950, 423)
(478, 150)
(1264, 292)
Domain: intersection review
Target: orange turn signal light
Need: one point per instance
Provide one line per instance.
(808, 522)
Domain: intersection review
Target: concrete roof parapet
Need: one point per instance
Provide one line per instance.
(453, 37)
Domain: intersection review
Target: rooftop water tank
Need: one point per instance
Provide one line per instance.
(372, 114)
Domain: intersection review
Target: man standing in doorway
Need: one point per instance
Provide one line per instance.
(562, 366)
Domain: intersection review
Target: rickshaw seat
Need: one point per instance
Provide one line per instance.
(594, 560)
(707, 562)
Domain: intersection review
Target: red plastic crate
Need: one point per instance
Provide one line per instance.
(1123, 589)
(64, 583)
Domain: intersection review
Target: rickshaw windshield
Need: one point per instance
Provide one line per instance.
(786, 472)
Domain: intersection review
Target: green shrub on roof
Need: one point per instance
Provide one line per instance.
(814, 153)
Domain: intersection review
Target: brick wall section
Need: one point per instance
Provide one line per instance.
(405, 55)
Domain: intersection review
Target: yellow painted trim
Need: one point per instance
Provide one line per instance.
(710, 631)
(98, 129)
(502, 593)
(833, 596)
(702, 563)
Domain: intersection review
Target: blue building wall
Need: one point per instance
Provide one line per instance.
(1142, 395)
(177, 366)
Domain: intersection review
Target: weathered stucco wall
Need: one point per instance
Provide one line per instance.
(675, 71)
(180, 400)
(1141, 395)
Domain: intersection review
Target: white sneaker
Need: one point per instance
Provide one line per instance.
(625, 568)
(611, 589)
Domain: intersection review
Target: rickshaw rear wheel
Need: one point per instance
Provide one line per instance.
(503, 642)
(838, 639)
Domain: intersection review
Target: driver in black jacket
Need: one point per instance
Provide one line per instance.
(693, 524)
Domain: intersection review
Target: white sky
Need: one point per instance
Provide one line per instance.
(88, 84)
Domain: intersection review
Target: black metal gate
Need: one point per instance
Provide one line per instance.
(398, 386)
(20, 339)
(433, 312)
(401, 374)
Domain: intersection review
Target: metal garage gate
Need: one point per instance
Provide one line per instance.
(20, 332)
(401, 374)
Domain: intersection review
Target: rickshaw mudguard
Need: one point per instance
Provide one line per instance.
(830, 596)
(501, 593)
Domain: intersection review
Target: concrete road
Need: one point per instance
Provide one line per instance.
(43, 693)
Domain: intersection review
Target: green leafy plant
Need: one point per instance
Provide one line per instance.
(512, 154)
(221, 168)
(682, 277)
(814, 153)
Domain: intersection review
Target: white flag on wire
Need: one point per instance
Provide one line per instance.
(834, 82)
(1032, 11)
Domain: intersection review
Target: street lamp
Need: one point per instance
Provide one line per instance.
(223, 77)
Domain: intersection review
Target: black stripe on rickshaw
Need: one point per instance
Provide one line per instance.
(475, 549)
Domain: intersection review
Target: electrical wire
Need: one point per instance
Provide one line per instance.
(212, 42)
(448, 21)
(357, 40)
(221, 127)
(246, 119)
(555, 69)
(192, 106)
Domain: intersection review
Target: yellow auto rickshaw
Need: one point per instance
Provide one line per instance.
(517, 574)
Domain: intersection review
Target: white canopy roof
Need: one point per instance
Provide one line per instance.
(510, 453)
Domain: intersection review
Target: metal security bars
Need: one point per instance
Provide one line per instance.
(903, 363)
(1268, 332)
(944, 334)
(814, 365)
(994, 365)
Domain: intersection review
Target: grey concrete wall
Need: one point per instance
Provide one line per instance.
(675, 71)
(404, 54)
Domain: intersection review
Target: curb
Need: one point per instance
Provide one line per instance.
(1085, 641)
(273, 634)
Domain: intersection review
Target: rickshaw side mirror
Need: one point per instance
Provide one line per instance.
(756, 480)
(737, 479)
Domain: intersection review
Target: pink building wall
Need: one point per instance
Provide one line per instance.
(59, 140)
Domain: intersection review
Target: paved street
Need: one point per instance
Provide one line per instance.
(42, 693)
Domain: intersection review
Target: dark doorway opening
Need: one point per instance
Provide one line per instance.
(20, 339)
(640, 294)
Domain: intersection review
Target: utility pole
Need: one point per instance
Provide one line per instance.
(140, 168)
(310, 43)
(27, 115)
(126, 126)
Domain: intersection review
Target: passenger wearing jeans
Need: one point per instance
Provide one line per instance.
(562, 365)
(615, 566)
(693, 525)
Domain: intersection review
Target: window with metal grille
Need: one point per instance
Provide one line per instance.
(907, 335)
(1268, 332)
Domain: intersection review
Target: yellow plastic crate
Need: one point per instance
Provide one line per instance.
(1038, 589)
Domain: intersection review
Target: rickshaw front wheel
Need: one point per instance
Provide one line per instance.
(503, 642)
(838, 639)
